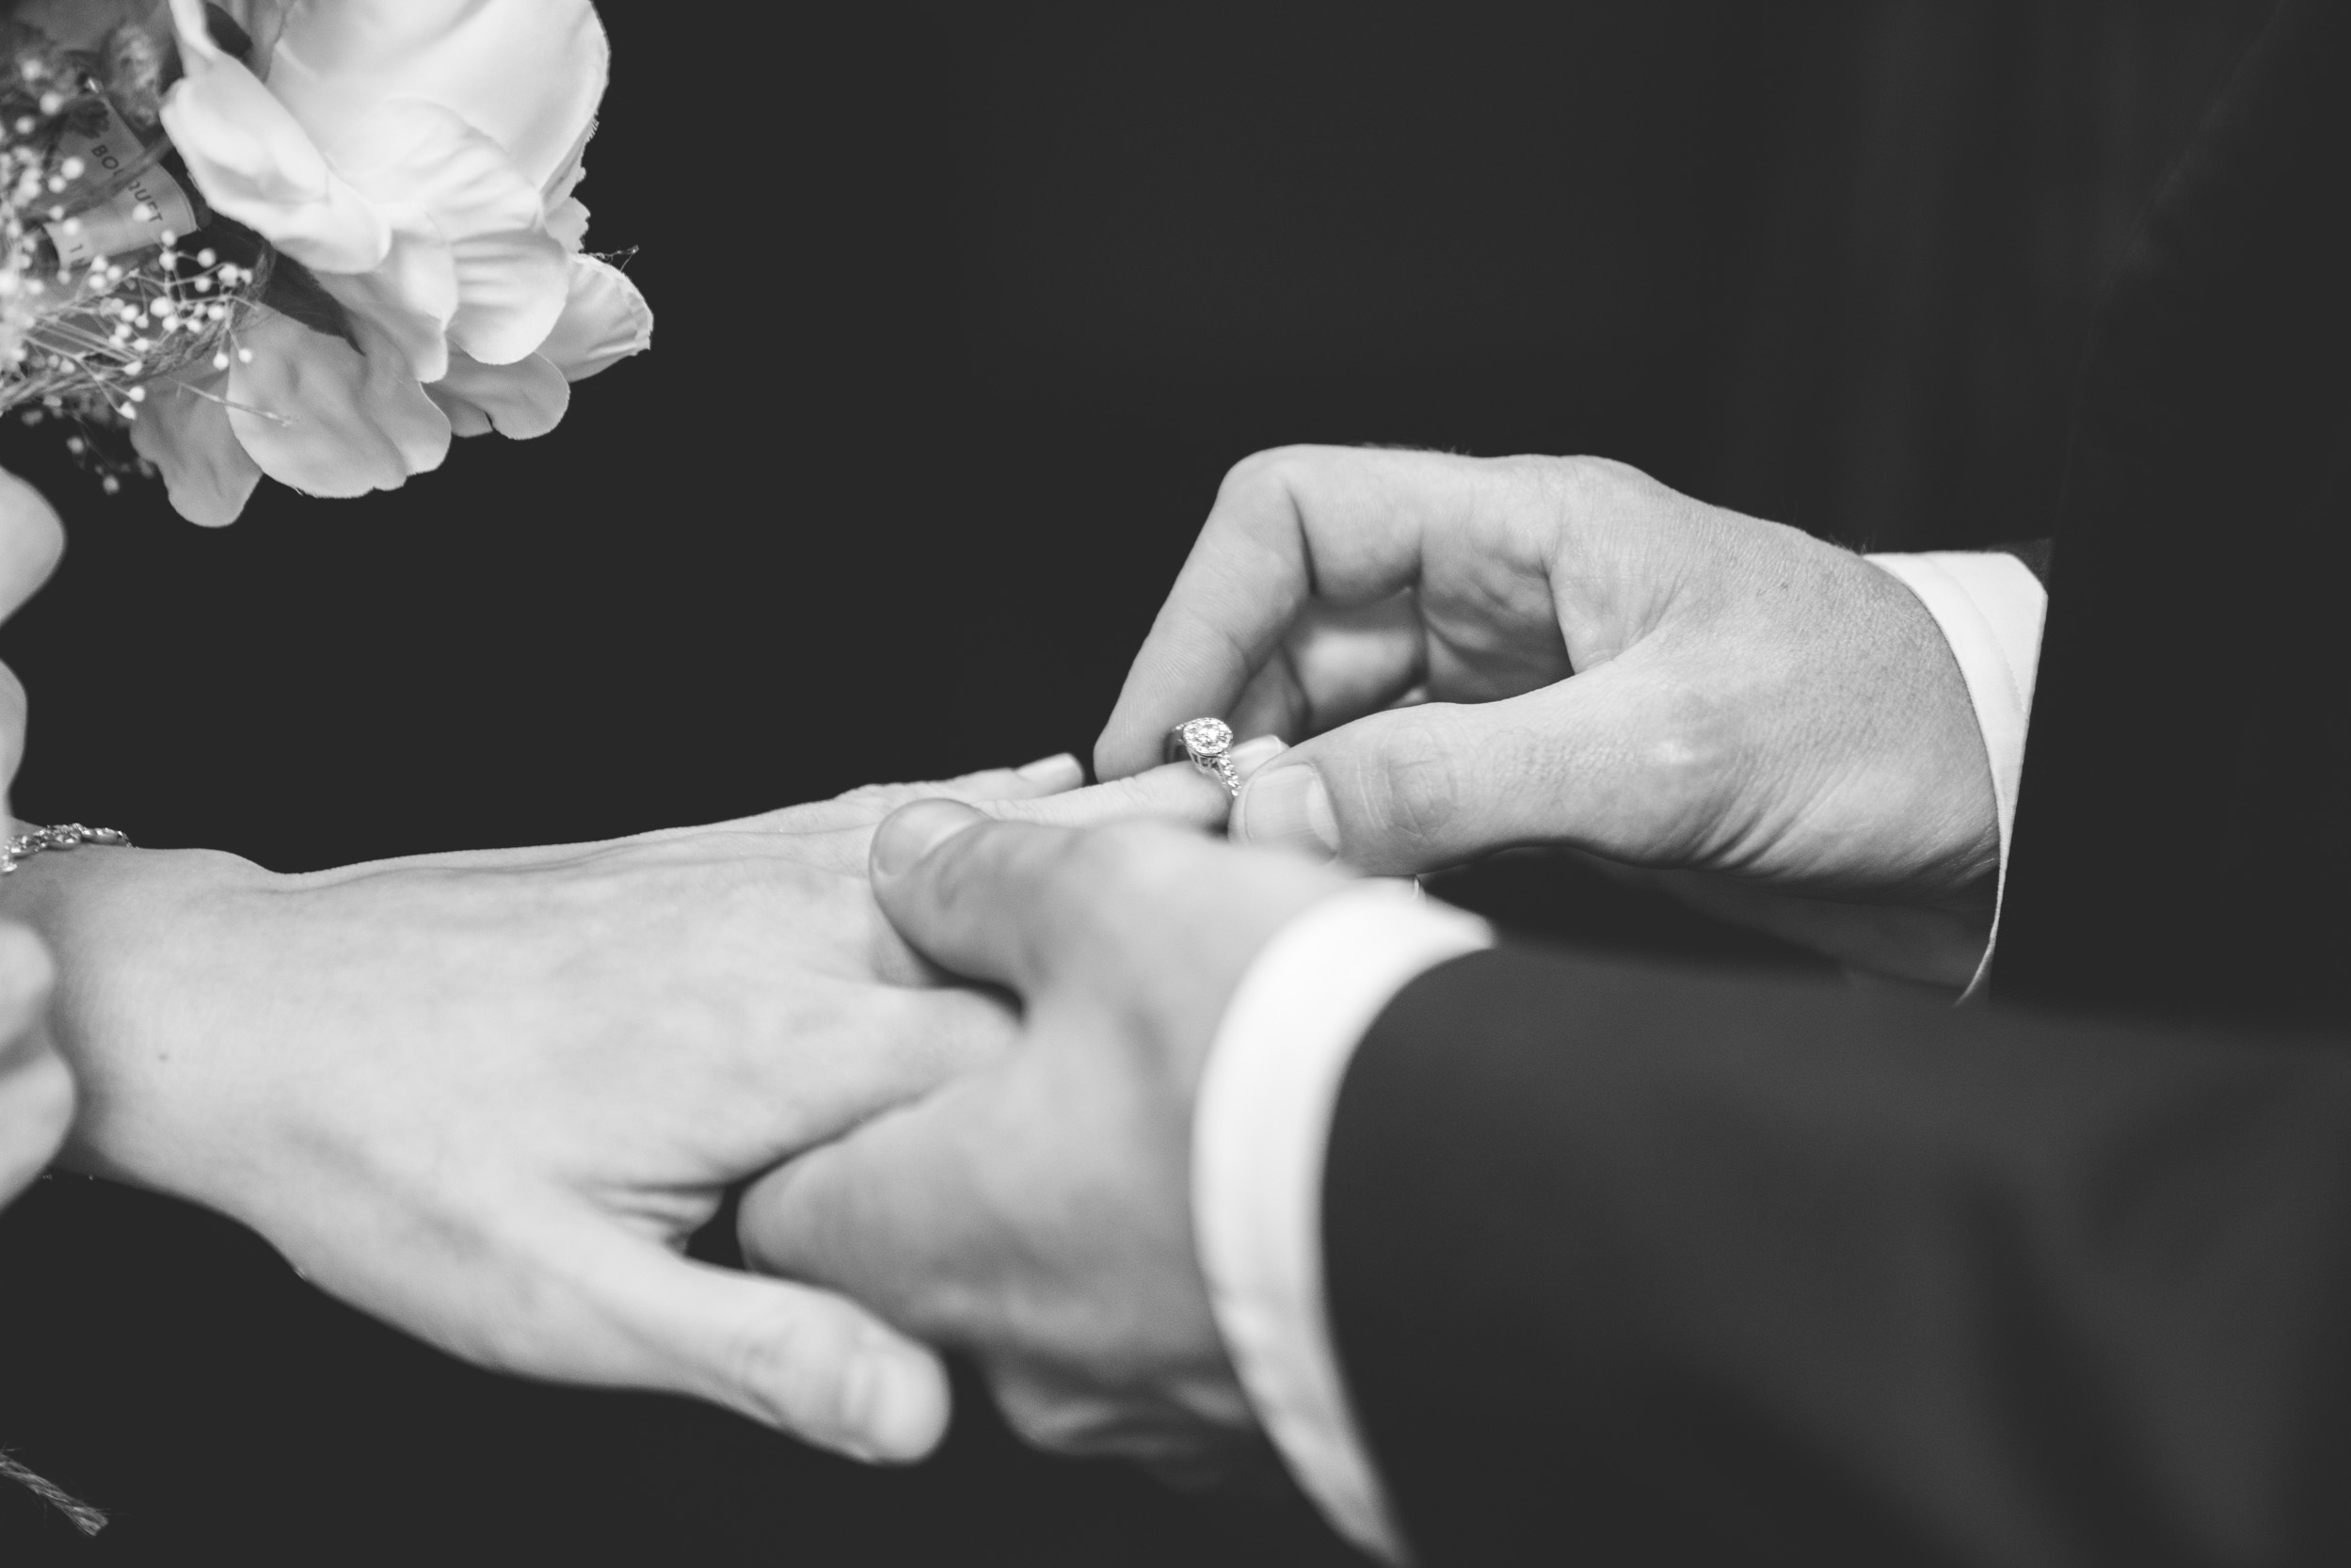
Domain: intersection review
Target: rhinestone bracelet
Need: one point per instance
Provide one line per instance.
(71, 834)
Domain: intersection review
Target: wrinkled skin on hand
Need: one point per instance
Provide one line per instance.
(486, 1096)
(1473, 654)
(1038, 1214)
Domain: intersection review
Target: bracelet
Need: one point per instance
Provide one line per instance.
(71, 834)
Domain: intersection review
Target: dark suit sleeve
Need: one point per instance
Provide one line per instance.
(1629, 1263)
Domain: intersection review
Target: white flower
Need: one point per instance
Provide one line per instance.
(418, 157)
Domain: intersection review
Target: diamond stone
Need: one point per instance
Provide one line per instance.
(1206, 738)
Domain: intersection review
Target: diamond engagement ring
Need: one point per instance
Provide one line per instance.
(1208, 744)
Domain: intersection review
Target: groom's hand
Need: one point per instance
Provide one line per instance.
(1470, 654)
(1038, 1214)
(488, 1097)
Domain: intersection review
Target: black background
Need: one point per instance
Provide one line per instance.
(960, 323)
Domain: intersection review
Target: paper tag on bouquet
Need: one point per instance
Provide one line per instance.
(150, 205)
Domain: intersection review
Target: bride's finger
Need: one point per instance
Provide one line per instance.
(1047, 775)
(1177, 792)
(868, 804)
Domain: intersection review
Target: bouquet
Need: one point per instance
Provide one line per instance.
(311, 239)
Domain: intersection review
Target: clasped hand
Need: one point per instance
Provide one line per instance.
(1037, 1214)
(488, 1097)
(1469, 655)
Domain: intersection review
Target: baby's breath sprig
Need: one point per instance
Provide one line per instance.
(115, 327)
(83, 337)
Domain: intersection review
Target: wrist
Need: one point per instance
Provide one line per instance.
(132, 931)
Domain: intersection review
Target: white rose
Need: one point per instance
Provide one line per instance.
(420, 157)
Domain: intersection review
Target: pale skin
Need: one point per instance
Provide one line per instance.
(488, 1097)
(36, 1089)
(1037, 1214)
(1469, 654)
(1608, 665)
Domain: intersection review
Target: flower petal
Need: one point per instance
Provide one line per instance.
(182, 428)
(520, 400)
(512, 289)
(416, 153)
(511, 275)
(253, 161)
(411, 297)
(466, 420)
(572, 170)
(567, 220)
(318, 415)
(528, 73)
(603, 322)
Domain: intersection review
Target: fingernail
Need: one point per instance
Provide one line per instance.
(892, 1406)
(1061, 768)
(1289, 807)
(1248, 756)
(913, 831)
(862, 1397)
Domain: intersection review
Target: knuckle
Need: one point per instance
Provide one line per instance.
(1096, 882)
(785, 1366)
(1074, 870)
(1124, 862)
(1049, 1418)
(532, 1317)
(870, 803)
(1565, 488)
(1418, 790)
(1274, 467)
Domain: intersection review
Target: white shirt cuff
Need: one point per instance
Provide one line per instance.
(1260, 1132)
(1991, 607)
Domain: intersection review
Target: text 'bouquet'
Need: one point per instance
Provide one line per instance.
(311, 239)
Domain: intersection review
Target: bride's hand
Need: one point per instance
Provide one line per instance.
(36, 1092)
(488, 1097)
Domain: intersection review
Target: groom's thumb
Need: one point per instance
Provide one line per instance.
(1416, 789)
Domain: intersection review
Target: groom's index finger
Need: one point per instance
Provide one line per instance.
(1338, 523)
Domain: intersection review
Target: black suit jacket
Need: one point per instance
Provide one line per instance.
(1631, 1263)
